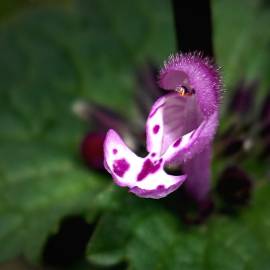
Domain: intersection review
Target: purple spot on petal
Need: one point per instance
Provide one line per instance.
(120, 166)
(153, 154)
(148, 168)
(160, 187)
(156, 129)
(115, 151)
(177, 143)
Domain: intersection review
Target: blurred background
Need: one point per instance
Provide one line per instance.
(71, 69)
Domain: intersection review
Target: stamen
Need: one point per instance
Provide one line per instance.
(183, 91)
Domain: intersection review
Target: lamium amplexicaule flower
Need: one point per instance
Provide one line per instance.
(179, 132)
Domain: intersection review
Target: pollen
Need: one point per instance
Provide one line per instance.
(183, 91)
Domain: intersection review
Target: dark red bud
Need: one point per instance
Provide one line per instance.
(92, 150)
(234, 187)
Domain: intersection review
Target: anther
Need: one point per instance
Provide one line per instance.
(184, 91)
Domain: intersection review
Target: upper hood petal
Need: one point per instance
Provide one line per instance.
(197, 73)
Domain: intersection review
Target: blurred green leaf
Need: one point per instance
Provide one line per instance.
(52, 55)
(242, 40)
(9, 8)
(148, 237)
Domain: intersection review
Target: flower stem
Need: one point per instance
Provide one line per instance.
(193, 26)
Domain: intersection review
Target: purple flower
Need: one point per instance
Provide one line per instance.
(179, 130)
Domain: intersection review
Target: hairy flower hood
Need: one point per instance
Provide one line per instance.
(179, 131)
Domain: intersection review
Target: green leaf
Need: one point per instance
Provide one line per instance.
(52, 55)
(241, 39)
(42, 187)
(148, 237)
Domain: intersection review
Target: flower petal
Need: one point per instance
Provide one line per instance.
(193, 143)
(198, 171)
(195, 72)
(171, 117)
(175, 129)
(179, 130)
(144, 176)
